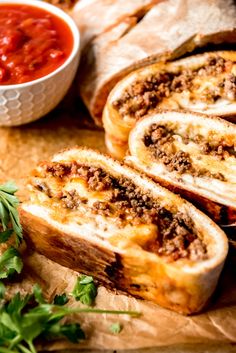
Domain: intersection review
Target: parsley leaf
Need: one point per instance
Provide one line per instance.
(116, 328)
(2, 290)
(10, 262)
(4, 236)
(21, 324)
(72, 332)
(26, 318)
(8, 209)
(85, 290)
(38, 295)
(61, 299)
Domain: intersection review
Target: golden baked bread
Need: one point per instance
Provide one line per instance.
(97, 216)
(95, 17)
(191, 154)
(205, 83)
(142, 33)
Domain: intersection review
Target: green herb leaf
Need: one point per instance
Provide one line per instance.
(24, 319)
(86, 279)
(61, 299)
(116, 328)
(72, 332)
(85, 290)
(38, 295)
(9, 187)
(8, 209)
(2, 290)
(5, 235)
(10, 262)
(6, 335)
(4, 216)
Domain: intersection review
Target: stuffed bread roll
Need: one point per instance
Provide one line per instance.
(204, 83)
(192, 154)
(166, 31)
(95, 215)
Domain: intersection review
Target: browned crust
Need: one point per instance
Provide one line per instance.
(109, 268)
(133, 270)
(71, 252)
(101, 69)
(220, 213)
(118, 147)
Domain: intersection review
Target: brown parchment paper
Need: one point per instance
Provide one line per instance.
(21, 148)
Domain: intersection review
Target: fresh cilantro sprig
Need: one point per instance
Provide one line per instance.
(26, 318)
(10, 261)
(85, 290)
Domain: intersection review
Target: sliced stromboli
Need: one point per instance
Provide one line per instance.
(167, 31)
(97, 216)
(205, 83)
(96, 17)
(192, 154)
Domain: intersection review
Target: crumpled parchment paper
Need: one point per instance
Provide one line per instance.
(155, 327)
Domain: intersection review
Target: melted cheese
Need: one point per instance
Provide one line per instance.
(95, 225)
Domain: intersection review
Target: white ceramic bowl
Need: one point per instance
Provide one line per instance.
(26, 102)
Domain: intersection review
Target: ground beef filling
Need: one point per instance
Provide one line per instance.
(222, 150)
(144, 95)
(159, 139)
(176, 235)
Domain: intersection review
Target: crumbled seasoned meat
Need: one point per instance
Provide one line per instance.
(58, 169)
(102, 208)
(158, 135)
(144, 95)
(176, 237)
(229, 86)
(182, 82)
(221, 150)
(197, 250)
(95, 177)
(99, 181)
(214, 65)
(128, 204)
(71, 199)
(159, 140)
(181, 162)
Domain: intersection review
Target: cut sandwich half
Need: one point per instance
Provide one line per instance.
(203, 83)
(97, 216)
(192, 154)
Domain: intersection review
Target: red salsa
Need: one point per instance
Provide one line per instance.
(33, 43)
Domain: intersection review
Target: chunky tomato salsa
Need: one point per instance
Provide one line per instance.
(33, 43)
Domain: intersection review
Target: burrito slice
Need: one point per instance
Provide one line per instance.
(204, 83)
(97, 216)
(192, 154)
